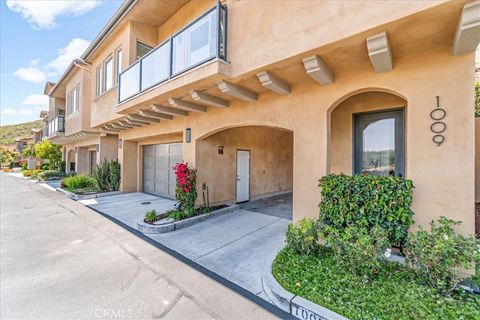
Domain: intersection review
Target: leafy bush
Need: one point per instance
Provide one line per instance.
(79, 182)
(358, 249)
(151, 216)
(437, 255)
(107, 175)
(367, 201)
(175, 214)
(302, 237)
(185, 191)
(477, 99)
(51, 152)
(51, 175)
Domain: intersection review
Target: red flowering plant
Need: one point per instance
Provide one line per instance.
(186, 192)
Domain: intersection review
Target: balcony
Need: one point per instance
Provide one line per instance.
(56, 126)
(201, 41)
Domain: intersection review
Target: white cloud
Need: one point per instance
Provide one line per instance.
(41, 14)
(32, 73)
(36, 74)
(21, 112)
(73, 50)
(36, 100)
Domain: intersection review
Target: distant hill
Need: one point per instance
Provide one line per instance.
(24, 130)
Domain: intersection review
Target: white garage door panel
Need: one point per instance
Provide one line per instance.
(159, 177)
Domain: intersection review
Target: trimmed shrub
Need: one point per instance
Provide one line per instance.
(437, 255)
(107, 175)
(367, 201)
(79, 182)
(357, 248)
(302, 236)
(31, 173)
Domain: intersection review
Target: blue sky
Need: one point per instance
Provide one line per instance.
(38, 39)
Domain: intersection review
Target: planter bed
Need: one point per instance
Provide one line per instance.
(167, 224)
(394, 293)
(87, 195)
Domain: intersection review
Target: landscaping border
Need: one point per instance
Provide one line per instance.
(172, 226)
(74, 196)
(297, 306)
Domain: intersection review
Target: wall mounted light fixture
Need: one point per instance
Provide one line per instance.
(220, 149)
(120, 143)
(188, 135)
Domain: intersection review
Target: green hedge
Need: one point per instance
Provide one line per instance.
(367, 201)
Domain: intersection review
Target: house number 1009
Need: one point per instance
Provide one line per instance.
(438, 127)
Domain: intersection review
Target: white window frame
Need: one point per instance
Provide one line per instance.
(118, 64)
(99, 80)
(105, 74)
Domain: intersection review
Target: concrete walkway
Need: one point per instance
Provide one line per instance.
(61, 260)
(237, 246)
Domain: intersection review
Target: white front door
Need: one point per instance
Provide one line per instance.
(243, 175)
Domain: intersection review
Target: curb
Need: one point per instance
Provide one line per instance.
(77, 197)
(297, 306)
(169, 227)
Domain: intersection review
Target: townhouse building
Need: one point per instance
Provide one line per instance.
(266, 97)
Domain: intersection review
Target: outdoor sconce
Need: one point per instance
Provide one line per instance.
(76, 149)
(220, 149)
(120, 143)
(97, 147)
(188, 135)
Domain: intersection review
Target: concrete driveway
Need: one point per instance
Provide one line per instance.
(237, 246)
(61, 260)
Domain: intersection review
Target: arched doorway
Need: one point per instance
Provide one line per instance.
(70, 161)
(367, 134)
(245, 164)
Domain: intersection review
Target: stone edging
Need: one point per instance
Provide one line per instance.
(169, 227)
(77, 197)
(298, 307)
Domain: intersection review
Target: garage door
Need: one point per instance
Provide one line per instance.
(158, 162)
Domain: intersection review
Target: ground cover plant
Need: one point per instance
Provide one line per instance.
(49, 175)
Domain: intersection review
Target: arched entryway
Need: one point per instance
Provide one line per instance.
(367, 134)
(245, 164)
(70, 161)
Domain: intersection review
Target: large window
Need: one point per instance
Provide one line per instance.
(73, 100)
(99, 81)
(108, 68)
(195, 44)
(379, 143)
(118, 64)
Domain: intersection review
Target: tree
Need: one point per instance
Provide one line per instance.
(51, 152)
(6, 156)
(29, 151)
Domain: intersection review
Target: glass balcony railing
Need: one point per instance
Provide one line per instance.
(202, 40)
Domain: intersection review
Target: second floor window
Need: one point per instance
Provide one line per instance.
(142, 49)
(118, 64)
(108, 74)
(99, 81)
(73, 100)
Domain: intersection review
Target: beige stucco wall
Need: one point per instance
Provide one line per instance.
(80, 120)
(477, 159)
(341, 124)
(271, 171)
(442, 175)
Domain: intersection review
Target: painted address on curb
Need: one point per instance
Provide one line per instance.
(305, 314)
